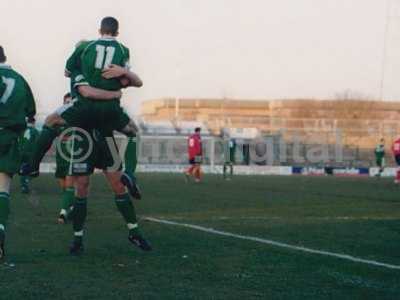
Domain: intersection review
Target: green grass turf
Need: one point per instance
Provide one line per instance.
(359, 217)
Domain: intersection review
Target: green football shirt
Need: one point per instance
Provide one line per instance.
(90, 58)
(380, 151)
(229, 150)
(16, 99)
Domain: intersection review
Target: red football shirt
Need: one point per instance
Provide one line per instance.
(396, 147)
(194, 146)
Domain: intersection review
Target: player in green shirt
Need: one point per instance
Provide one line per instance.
(380, 157)
(16, 105)
(90, 66)
(103, 63)
(229, 154)
(79, 67)
(27, 143)
(103, 66)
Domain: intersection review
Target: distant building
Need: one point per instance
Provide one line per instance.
(312, 121)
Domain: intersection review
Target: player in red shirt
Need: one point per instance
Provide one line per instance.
(396, 153)
(195, 152)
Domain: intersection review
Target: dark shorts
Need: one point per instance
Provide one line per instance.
(103, 115)
(397, 159)
(106, 152)
(10, 155)
(62, 169)
(380, 162)
(104, 155)
(90, 152)
(196, 160)
(95, 117)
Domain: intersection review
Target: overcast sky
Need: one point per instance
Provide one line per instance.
(253, 49)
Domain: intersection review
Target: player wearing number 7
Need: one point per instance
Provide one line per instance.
(16, 105)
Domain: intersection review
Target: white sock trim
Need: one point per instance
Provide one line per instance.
(63, 212)
(132, 226)
(78, 233)
(2, 228)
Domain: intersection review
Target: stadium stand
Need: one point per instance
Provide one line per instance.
(360, 122)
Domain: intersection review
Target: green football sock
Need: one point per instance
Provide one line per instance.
(2, 235)
(127, 210)
(130, 156)
(24, 181)
(79, 217)
(4, 210)
(42, 145)
(68, 197)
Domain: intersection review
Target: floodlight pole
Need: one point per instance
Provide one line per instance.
(176, 108)
(384, 54)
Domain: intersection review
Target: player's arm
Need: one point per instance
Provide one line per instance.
(115, 71)
(73, 64)
(30, 105)
(2, 88)
(82, 86)
(94, 93)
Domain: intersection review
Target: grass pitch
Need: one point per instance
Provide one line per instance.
(358, 217)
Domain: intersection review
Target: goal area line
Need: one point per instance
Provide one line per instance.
(276, 244)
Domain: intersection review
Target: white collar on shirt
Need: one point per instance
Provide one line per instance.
(5, 66)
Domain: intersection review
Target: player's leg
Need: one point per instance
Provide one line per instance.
(81, 166)
(10, 161)
(382, 166)
(197, 173)
(79, 213)
(127, 210)
(61, 182)
(104, 159)
(189, 172)
(24, 183)
(69, 195)
(130, 156)
(43, 144)
(67, 198)
(226, 166)
(197, 170)
(66, 184)
(24, 180)
(5, 181)
(127, 126)
(224, 170)
(397, 159)
(379, 165)
(74, 114)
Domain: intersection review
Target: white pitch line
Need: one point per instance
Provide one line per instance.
(277, 244)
